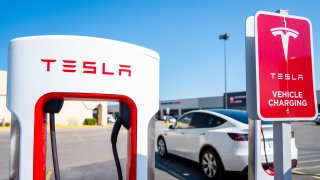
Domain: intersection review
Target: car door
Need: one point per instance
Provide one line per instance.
(195, 136)
(175, 136)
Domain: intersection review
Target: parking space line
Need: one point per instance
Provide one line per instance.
(307, 152)
(171, 172)
(298, 172)
(307, 161)
(78, 136)
(315, 155)
(307, 167)
(317, 176)
(49, 173)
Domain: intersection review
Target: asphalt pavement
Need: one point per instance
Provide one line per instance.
(307, 136)
(85, 153)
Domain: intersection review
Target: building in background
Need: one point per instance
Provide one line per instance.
(236, 100)
(5, 115)
(72, 112)
(177, 107)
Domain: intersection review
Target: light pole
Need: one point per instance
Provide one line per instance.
(225, 37)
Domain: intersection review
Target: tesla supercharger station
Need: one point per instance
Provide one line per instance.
(280, 85)
(85, 68)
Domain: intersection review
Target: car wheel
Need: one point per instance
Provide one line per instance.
(162, 148)
(211, 165)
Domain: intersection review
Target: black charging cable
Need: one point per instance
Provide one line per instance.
(265, 152)
(124, 120)
(54, 147)
(54, 106)
(114, 137)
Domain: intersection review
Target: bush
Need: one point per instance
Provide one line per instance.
(90, 121)
(7, 124)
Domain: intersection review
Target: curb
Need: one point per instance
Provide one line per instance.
(80, 126)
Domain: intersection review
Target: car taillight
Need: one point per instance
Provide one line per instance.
(238, 137)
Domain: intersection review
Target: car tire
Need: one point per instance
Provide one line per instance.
(162, 148)
(211, 164)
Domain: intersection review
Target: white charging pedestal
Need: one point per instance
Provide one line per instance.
(83, 68)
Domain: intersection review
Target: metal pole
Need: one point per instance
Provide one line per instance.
(282, 144)
(252, 160)
(225, 37)
(282, 150)
(225, 75)
(255, 169)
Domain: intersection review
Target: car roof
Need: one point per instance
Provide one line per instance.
(235, 116)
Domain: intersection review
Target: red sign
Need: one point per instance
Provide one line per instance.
(284, 67)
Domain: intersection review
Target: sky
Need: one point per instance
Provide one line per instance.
(184, 33)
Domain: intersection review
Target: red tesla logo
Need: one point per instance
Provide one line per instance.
(87, 67)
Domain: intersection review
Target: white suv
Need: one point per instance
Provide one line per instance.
(217, 140)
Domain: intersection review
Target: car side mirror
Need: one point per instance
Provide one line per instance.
(170, 126)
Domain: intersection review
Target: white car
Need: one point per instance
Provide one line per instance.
(218, 140)
(111, 119)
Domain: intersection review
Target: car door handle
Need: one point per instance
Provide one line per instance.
(182, 133)
(202, 133)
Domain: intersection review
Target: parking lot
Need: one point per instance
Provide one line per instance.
(85, 153)
(307, 139)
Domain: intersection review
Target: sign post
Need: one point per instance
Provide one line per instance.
(282, 150)
(280, 79)
(255, 169)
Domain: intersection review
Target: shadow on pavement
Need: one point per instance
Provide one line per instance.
(97, 171)
(173, 167)
(181, 168)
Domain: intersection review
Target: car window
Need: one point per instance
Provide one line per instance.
(204, 120)
(241, 116)
(184, 121)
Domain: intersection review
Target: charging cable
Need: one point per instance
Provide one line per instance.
(54, 106)
(265, 152)
(54, 147)
(114, 137)
(124, 120)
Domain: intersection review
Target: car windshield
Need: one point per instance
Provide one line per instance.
(239, 115)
